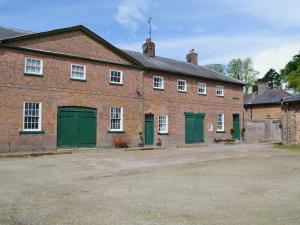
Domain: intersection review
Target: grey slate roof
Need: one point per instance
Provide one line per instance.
(294, 98)
(6, 32)
(270, 96)
(170, 65)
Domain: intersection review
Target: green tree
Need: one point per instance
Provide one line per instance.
(291, 73)
(242, 69)
(216, 67)
(272, 78)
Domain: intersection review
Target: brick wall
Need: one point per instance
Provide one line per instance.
(291, 123)
(260, 112)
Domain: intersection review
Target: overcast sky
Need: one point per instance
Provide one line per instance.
(219, 30)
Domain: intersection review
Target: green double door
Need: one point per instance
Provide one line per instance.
(76, 127)
(194, 127)
(236, 127)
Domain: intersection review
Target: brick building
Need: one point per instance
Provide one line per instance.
(71, 88)
(291, 119)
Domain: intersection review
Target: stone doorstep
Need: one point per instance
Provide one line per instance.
(33, 154)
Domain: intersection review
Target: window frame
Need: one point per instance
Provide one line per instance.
(34, 73)
(84, 72)
(200, 93)
(222, 120)
(121, 120)
(162, 82)
(167, 124)
(121, 76)
(185, 85)
(220, 86)
(40, 117)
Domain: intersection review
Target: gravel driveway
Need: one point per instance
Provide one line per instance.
(244, 184)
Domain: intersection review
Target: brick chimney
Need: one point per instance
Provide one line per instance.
(149, 48)
(261, 88)
(192, 57)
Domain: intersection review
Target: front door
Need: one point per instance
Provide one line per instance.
(149, 129)
(194, 127)
(236, 126)
(76, 127)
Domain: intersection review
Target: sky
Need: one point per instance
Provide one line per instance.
(268, 31)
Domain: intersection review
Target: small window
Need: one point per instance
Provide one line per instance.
(220, 122)
(181, 85)
(32, 116)
(78, 72)
(116, 119)
(33, 66)
(163, 124)
(202, 88)
(158, 82)
(116, 77)
(220, 90)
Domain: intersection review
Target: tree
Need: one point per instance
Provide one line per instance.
(216, 67)
(242, 69)
(291, 73)
(272, 78)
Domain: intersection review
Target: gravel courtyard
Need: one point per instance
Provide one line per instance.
(244, 184)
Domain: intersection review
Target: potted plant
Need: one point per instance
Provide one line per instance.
(158, 142)
(141, 144)
(232, 132)
(243, 131)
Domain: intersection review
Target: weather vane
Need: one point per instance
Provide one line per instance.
(150, 28)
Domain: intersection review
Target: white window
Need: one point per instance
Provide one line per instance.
(32, 114)
(181, 85)
(220, 122)
(33, 66)
(158, 82)
(78, 72)
(116, 77)
(116, 119)
(202, 88)
(163, 124)
(220, 90)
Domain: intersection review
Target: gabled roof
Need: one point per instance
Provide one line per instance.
(294, 98)
(270, 96)
(6, 32)
(174, 66)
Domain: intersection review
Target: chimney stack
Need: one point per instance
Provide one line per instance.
(192, 57)
(149, 48)
(261, 88)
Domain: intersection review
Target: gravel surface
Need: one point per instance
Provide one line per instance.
(245, 184)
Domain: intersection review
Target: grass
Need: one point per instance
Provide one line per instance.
(293, 147)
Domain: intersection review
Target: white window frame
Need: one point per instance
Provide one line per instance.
(167, 124)
(40, 117)
(162, 82)
(25, 66)
(223, 122)
(121, 119)
(121, 76)
(222, 87)
(185, 85)
(202, 93)
(84, 72)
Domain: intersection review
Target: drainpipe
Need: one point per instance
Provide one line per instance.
(287, 124)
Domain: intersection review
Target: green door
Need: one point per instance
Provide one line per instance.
(236, 126)
(76, 127)
(194, 127)
(149, 129)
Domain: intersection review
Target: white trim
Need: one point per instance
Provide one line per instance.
(25, 65)
(185, 85)
(223, 122)
(220, 86)
(84, 72)
(162, 81)
(167, 124)
(40, 117)
(202, 93)
(121, 119)
(121, 76)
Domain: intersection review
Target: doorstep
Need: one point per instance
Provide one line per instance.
(33, 154)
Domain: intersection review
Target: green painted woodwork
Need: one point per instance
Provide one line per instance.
(76, 127)
(149, 129)
(194, 127)
(236, 126)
